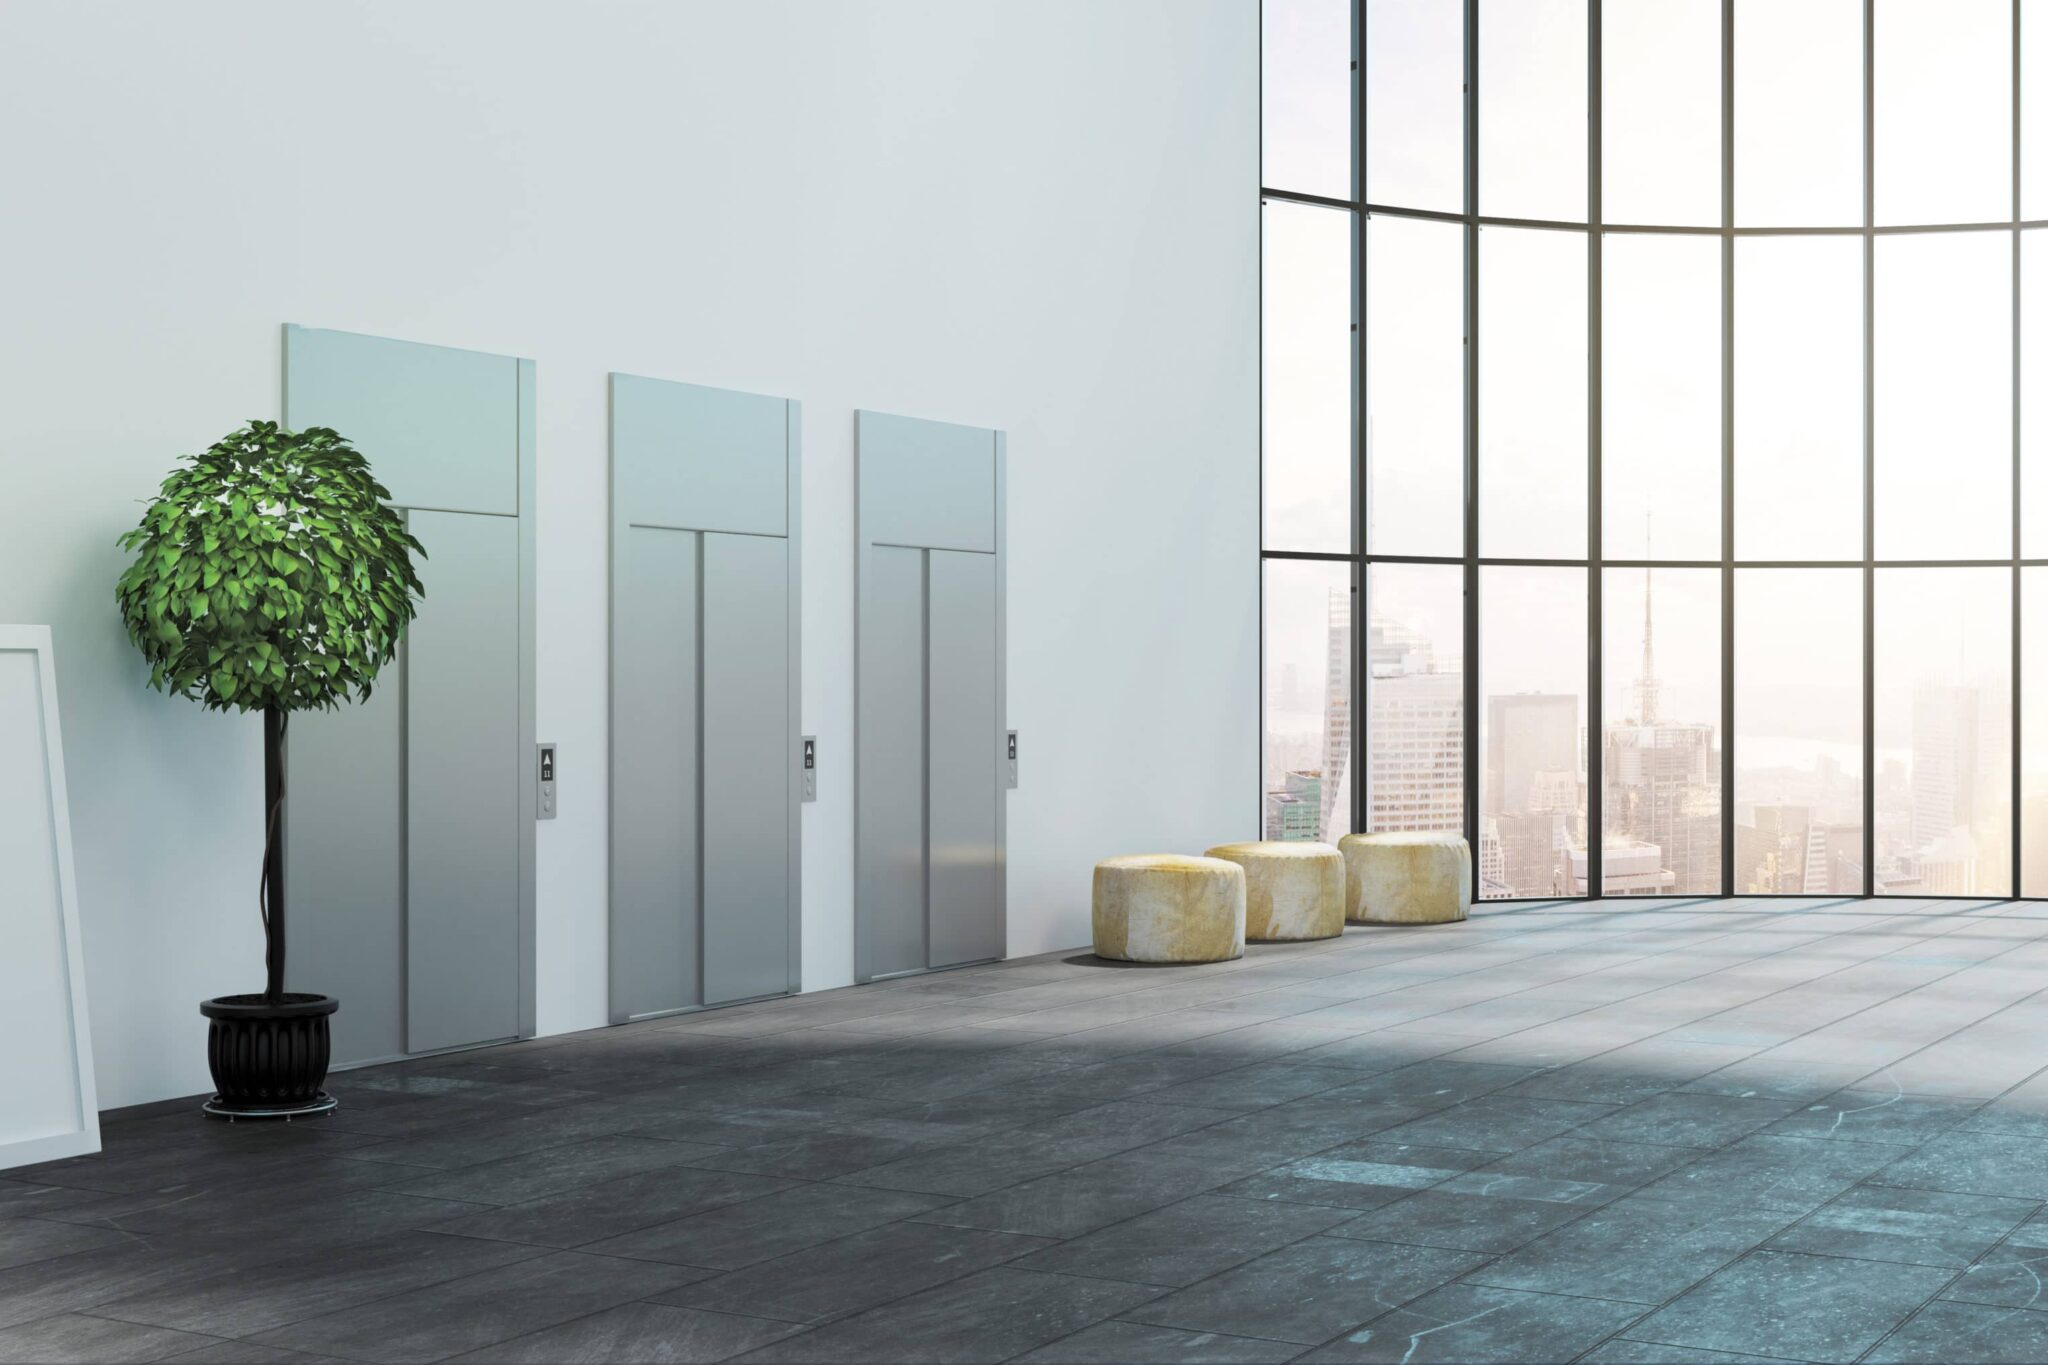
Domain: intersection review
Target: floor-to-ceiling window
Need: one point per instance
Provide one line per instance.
(1652, 486)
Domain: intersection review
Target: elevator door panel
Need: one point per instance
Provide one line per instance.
(746, 766)
(464, 769)
(892, 760)
(345, 888)
(439, 426)
(654, 775)
(963, 783)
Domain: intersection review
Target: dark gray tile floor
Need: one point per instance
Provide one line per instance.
(1661, 1131)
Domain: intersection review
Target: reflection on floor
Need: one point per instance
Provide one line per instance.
(1794, 1130)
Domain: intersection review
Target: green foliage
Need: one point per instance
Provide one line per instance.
(269, 573)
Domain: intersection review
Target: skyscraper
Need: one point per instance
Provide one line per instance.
(1417, 757)
(1661, 779)
(1336, 718)
(1532, 789)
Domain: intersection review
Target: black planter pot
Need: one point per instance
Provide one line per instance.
(268, 1061)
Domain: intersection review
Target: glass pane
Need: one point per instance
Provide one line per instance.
(1943, 90)
(1660, 755)
(2034, 732)
(1944, 396)
(1660, 118)
(1799, 112)
(1307, 91)
(1415, 386)
(1310, 372)
(1799, 731)
(1532, 109)
(1532, 677)
(1661, 397)
(2034, 394)
(1415, 103)
(1532, 393)
(2033, 111)
(1799, 398)
(1308, 699)
(1943, 732)
(1416, 697)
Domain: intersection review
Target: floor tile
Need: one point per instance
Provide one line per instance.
(21, 1199)
(292, 1286)
(550, 1170)
(1254, 1087)
(1623, 1350)
(1575, 1168)
(245, 1353)
(96, 1341)
(1919, 1227)
(1975, 1163)
(1635, 1250)
(1464, 1323)
(1687, 1120)
(2013, 1273)
(479, 1310)
(1359, 1175)
(987, 1317)
(1763, 1172)
(1493, 1224)
(1943, 1333)
(612, 1208)
(75, 1283)
(34, 1239)
(637, 1332)
(736, 1235)
(1875, 1116)
(1086, 1198)
(1308, 1292)
(1497, 1123)
(1137, 1343)
(855, 1273)
(1185, 1242)
(816, 1156)
(1816, 1308)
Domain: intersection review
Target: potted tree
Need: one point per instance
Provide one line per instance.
(270, 576)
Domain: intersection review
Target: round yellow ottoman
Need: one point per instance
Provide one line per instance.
(1293, 890)
(1417, 878)
(1163, 907)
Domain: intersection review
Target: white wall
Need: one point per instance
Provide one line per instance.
(1038, 215)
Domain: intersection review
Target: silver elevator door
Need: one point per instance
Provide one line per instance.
(704, 719)
(408, 849)
(930, 658)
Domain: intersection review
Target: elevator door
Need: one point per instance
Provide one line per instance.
(929, 822)
(704, 894)
(409, 836)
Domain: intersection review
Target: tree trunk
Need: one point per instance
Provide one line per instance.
(273, 854)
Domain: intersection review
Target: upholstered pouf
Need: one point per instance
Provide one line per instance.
(1293, 890)
(1162, 907)
(1406, 878)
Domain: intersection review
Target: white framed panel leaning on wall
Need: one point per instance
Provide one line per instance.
(51, 1108)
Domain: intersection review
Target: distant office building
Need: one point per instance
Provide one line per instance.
(1417, 754)
(1628, 867)
(1331, 822)
(1294, 809)
(1532, 791)
(1959, 843)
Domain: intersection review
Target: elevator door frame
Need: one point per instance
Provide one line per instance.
(879, 529)
(522, 510)
(741, 515)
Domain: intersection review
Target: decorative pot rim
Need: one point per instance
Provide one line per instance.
(294, 1005)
